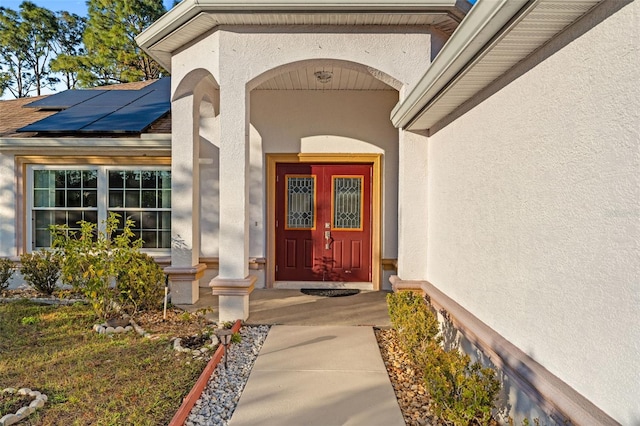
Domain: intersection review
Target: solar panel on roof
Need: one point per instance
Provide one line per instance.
(64, 100)
(113, 98)
(113, 111)
(135, 117)
(69, 120)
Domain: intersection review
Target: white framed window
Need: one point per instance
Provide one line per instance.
(67, 194)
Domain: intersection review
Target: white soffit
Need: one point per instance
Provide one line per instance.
(463, 68)
(342, 78)
(192, 18)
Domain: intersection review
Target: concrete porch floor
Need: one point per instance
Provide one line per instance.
(291, 307)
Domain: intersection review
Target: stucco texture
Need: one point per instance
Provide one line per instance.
(534, 205)
(251, 123)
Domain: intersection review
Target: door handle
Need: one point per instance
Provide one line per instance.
(328, 240)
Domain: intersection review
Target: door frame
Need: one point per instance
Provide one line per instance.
(376, 204)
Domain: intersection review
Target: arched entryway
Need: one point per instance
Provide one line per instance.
(193, 104)
(323, 128)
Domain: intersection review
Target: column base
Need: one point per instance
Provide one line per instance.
(184, 283)
(233, 297)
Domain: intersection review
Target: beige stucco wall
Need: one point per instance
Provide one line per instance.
(534, 205)
(299, 121)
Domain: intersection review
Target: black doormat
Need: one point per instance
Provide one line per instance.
(330, 292)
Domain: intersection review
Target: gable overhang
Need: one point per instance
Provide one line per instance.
(493, 38)
(191, 19)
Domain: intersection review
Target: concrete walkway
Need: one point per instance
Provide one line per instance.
(318, 375)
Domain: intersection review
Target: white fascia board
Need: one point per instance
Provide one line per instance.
(186, 10)
(30, 144)
(482, 23)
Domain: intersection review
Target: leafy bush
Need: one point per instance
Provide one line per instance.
(107, 266)
(41, 270)
(463, 393)
(6, 271)
(141, 284)
(417, 325)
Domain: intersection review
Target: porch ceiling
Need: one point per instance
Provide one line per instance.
(493, 38)
(342, 78)
(193, 18)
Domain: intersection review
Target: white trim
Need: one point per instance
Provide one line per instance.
(491, 26)
(186, 11)
(37, 144)
(482, 23)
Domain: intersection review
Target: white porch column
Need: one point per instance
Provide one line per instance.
(185, 270)
(412, 206)
(233, 283)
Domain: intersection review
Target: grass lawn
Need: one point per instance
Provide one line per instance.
(91, 378)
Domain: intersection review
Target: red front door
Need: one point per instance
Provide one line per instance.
(323, 222)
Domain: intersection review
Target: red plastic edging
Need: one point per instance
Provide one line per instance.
(190, 400)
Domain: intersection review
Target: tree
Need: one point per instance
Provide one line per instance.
(26, 45)
(69, 46)
(5, 78)
(112, 53)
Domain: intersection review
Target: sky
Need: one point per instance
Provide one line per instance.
(73, 6)
(78, 7)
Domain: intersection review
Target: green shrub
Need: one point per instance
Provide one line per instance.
(6, 271)
(141, 284)
(462, 393)
(41, 270)
(417, 325)
(108, 268)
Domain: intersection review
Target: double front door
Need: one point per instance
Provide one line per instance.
(323, 222)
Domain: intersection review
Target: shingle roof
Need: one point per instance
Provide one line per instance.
(13, 116)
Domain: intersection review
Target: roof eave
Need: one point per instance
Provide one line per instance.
(484, 22)
(187, 10)
(474, 57)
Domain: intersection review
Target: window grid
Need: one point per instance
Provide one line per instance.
(300, 202)
(143, 196)
(65, 196)
(347, 202)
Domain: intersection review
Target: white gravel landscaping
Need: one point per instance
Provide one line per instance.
(221, 395)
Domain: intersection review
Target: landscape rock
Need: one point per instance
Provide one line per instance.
(25, 411)
(406, 381)
(220, 397)
(24, 391)
(9, 419)
(37, 403)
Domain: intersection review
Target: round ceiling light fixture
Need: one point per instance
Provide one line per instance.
(323, 76)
